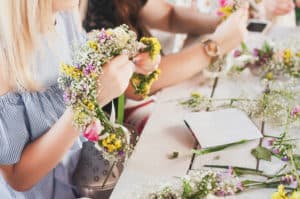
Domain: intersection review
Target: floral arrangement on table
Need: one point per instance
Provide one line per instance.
(273, 106)
(200, 184)
(222, 181)
(278, 104)
(79, 82)
(269, 61)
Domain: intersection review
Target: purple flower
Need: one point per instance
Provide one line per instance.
(88, 69)
(230, 171)
(121, 153)
(220, 193)
(271, 141)
(290, 180)
(240, 186)
(285, 158)
(66, 96)
(255, 52)
(237, 53)
(295, 112)
(275, 151)
(103, 35)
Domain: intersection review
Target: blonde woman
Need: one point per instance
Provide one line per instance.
(38, 145)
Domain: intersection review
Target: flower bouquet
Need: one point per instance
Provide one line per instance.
(267, 61)
(79, 82)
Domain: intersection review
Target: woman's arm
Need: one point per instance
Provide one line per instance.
(190, 61)
(161, 15)
(42, 155)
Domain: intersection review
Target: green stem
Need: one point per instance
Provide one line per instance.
(121, 109)
(239, 171)
(104, 120)
(217, 148)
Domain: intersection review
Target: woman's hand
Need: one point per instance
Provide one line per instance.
(278, 7)
(115, 79)
(232, 31)
(144, 64)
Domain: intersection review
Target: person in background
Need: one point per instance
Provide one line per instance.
(39, 148)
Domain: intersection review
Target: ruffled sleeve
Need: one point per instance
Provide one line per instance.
(14, 133)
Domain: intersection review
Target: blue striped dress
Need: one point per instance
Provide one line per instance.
(25, 116)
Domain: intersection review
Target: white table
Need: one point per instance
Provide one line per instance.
(166, 132)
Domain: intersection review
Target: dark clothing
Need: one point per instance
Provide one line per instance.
(106, 14)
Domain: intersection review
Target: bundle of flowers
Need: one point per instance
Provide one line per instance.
(79, 82)
(200, 184)
(268, 61)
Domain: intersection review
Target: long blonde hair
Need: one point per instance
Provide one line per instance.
(21, 24)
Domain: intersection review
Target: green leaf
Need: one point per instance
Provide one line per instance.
(244, 47)
(217, 148)
(187, 189)
(297, 160)
(262, 153)
(239, 171)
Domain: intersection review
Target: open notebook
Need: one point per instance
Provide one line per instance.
(221, 127)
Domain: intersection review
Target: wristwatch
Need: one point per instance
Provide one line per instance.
(212, 48)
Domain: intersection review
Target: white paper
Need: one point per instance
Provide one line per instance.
(221, 127)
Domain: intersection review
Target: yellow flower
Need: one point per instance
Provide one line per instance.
(135, 81)
(269, 76)
(111, 148)
(153, 46)
(70, 71)
(226, 11)
(298, 54)
(91, 106)
(93, 45)
(280, 194)
(196, 95)
(93, 75)
(112, 143)
(113, 136)
(287, 56)
(118, 144)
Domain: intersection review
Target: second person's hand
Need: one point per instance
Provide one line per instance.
(232, 31)
(144, 64)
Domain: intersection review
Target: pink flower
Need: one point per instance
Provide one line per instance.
(223, 3)
(295, 112)
(271, 141)
(92, 131)
(220, 14)
(237, 53)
